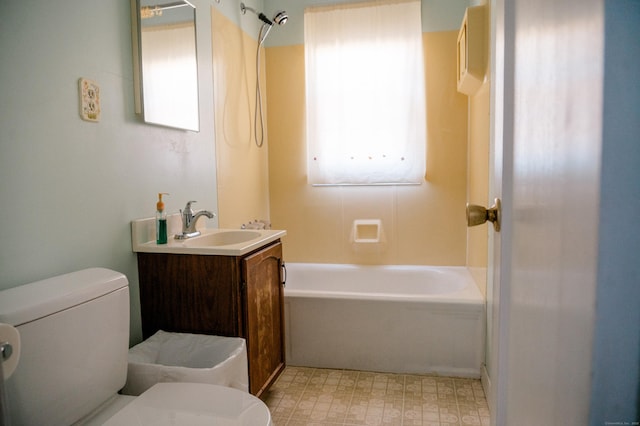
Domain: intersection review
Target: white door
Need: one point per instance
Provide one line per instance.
(547, 124)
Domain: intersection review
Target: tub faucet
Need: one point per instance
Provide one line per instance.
(189, 220)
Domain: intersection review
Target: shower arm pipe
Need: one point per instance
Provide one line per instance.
(260, 15)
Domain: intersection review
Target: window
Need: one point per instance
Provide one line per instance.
(365, 115)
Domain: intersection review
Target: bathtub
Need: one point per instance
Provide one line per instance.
(399, 319)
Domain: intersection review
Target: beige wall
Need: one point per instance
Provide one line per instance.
(478, 182)
(423, 224)
(242, 167)
(478, 166)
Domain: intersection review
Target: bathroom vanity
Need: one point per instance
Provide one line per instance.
(184, 288)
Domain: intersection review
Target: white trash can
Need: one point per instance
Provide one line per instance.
(191, 358)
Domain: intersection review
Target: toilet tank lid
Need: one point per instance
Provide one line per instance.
(36, 300)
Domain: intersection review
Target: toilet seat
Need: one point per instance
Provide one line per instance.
(193, 404)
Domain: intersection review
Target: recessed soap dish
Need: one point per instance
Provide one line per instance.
(367, 230)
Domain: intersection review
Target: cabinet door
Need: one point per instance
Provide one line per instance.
(190, 294)
(264, 316)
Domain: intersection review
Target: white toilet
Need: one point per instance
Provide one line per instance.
(74, 332)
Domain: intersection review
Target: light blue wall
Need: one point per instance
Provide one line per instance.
(70, 188)
(615, 393)
(437, 15)
(249, 22)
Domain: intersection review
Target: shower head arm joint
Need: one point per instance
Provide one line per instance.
(280, 18)
(264, 19)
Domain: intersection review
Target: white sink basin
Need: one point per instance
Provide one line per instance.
(222, 238)
(225, 242)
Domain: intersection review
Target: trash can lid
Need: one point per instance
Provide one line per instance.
(193, 404)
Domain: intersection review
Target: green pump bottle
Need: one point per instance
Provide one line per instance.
(161, 220)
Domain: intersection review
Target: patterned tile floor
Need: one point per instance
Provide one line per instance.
(314, 396)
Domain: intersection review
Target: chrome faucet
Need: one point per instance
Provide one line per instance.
(189, 220)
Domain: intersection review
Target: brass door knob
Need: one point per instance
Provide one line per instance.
(477, 215)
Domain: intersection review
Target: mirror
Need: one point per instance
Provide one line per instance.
(165, 63)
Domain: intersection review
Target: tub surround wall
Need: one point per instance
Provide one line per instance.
(242, 167)
(424, 224)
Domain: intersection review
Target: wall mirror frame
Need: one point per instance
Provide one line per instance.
(165, 63)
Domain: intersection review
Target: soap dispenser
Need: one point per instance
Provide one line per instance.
(161, 220)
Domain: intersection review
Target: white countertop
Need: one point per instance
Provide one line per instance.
(143, 240)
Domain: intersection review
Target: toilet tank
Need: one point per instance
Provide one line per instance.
(74, 332)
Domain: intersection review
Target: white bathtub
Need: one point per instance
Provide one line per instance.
(400, 319)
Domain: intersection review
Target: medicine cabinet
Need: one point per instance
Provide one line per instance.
(471, 48)
(165, 63)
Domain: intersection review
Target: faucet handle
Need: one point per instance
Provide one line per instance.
(187, 208)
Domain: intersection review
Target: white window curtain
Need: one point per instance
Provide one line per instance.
(365, 111)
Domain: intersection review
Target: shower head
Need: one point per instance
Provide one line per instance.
(279, 18)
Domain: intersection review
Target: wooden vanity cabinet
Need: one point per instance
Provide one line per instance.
(238, 296)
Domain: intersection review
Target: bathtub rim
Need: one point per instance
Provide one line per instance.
(467, 296)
